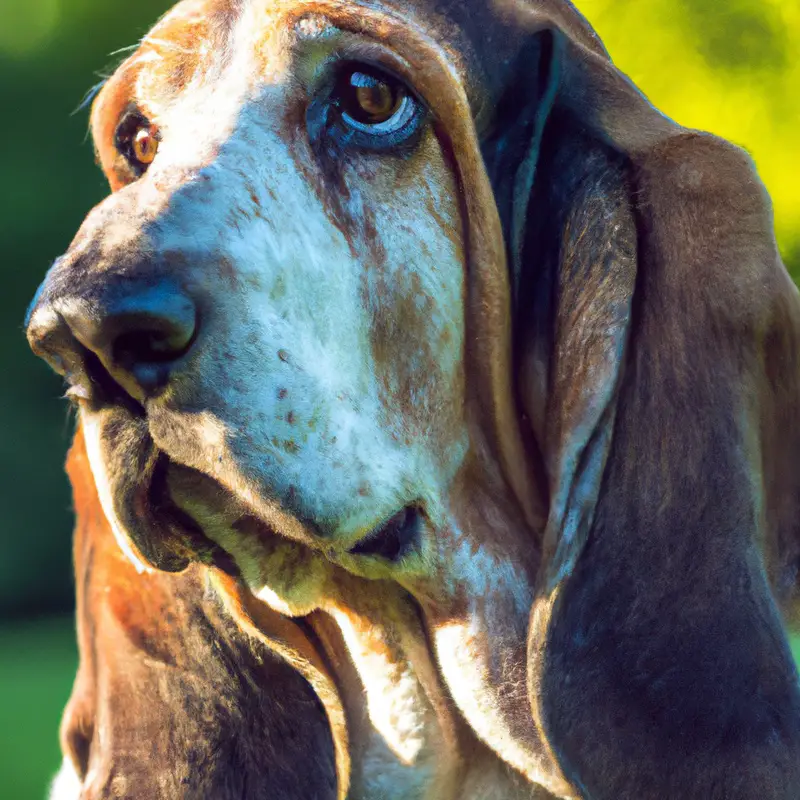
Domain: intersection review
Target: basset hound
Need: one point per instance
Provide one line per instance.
(470, 385)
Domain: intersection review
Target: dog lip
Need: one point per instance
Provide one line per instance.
(186, 541)
(393, 539)
(161, 535)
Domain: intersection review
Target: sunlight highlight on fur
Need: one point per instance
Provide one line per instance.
(91, 427)
(393, 694)
(66, 785)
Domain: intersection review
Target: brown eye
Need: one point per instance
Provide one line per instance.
(137, 139)
(371, 101)
(367, 108)
(144, 146)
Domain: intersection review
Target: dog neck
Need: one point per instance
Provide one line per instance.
(407, 738)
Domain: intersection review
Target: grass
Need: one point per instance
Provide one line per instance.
(37, 665)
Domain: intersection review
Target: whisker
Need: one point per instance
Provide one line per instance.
(127, 49)
(104, 76)
(89, 96)
(154, 42)
(151, 40)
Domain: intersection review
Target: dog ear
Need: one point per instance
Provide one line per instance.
(657, 337)
(666, 630)
(780, 436)
(563, 196)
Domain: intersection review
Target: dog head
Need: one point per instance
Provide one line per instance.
(358, 311)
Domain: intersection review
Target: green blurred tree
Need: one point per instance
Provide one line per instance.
(726, 67)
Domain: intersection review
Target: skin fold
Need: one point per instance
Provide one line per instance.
(549, 321)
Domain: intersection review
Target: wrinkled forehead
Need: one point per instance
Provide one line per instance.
(236, 47)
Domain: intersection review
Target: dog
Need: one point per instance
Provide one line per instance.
(419, 320)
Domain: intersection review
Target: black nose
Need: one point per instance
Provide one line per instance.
(138, 334)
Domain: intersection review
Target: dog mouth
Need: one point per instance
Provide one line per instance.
(175, 515)
(132, 476)
(165, 529)
(188, 541)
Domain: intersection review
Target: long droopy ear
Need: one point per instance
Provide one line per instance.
(183, 690)
(657, 337)
(564, 200)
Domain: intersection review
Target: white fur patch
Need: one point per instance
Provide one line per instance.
(66, 785)
(91, 430)
(395, 701)
(461, 659)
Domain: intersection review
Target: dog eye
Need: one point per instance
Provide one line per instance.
(369, 100)
(137, 139)
(144, 146)
(374, 109)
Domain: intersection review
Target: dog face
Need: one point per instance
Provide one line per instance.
(320, 264)
(289, 332)
(266, 330)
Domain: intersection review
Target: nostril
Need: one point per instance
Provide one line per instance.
(51, 338)
(152, 341)
(140, 335)
(128, 334)
(146, 347)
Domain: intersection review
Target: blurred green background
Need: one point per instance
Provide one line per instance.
(730, 67)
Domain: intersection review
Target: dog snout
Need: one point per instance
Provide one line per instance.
(135, 331)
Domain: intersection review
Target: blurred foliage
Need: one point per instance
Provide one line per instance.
(37, 666)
